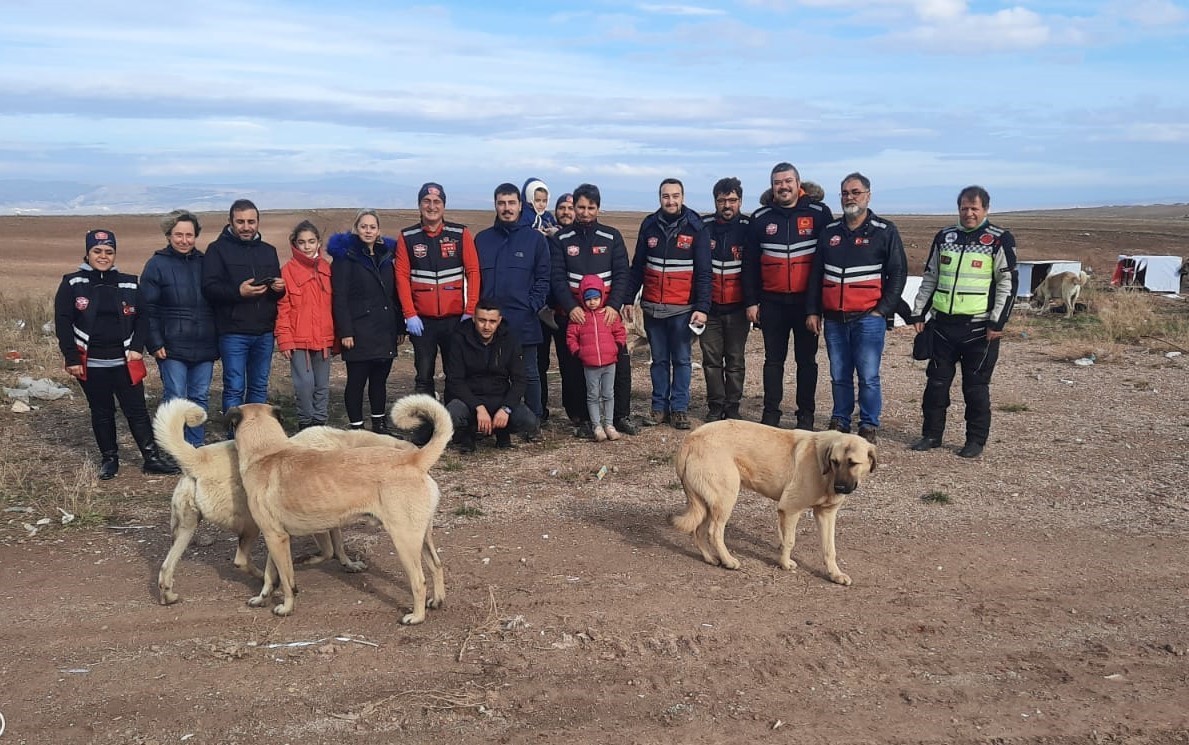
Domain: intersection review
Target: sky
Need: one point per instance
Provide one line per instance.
(1046, 104)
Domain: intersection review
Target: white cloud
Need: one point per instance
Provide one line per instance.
(1153, 13)
(1157, 132)
(681, 10)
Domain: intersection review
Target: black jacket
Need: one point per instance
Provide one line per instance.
(177, 315)
(488, 374)
(589, 248)
(229, 261)
(364, 297)
(77, 304)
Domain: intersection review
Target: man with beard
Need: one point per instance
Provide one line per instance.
(859, 271)
(725, 338)
(563, 212)
(241, 279)
(777, 257)
(589, 247)
(514, 264)
(672, 265)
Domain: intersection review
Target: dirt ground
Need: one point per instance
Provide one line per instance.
(1045, 602)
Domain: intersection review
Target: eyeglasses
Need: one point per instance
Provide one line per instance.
(855, 193)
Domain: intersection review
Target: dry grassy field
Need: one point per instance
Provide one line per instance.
(1034, 596)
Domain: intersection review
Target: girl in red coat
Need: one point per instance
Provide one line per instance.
(596, 342)
(305, 324)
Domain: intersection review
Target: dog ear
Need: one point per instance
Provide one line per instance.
(824, 451)
(276, 414)
(234, 417)
(872, 457)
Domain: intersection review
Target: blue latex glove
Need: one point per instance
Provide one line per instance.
(465, 316)
(414, 325)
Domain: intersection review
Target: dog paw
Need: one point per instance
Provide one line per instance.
(412, 619)
(282, 610)
(257, 601)
(731, 563)
(169, 597)
(787, 564)
(435, 603)
(840, 578)
(354, 566)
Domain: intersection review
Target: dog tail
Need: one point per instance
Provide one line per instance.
(168, 425)
(1083, 278)
(412, 411)
(695, 508)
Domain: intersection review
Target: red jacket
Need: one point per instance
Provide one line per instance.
(304, 318)
(594, 342)
(430, 270)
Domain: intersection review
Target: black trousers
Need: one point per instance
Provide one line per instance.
(777, 321)
(434, 339)
(723, 344)
(960, 343)
(521, 421)
(573, 382)
(372, 374)
(105, 386)
(558, 340)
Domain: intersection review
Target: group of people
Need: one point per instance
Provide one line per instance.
(490, 304)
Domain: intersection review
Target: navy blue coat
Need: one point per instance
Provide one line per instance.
(177, 315)
(364, 298)
(514, 272)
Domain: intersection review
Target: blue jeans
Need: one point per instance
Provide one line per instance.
(856, 346)
(670, 341)
(532, 380)
(247, 361)
(190, 380)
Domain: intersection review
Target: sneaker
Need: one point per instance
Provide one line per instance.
(837, 425)
(713, 415)
(584, 431)
(971, 449)
(625, 426)
(656, 418)
(600, 434)
(535, 437)
(463, 443)
(612, 432)
(926, 443)
(868, 433)
(680, 420)
(772, 420)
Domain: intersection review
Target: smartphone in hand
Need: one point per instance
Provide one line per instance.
(263, 282)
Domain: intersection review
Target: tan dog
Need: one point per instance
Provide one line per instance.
(799, 470)
(297, 490)
(210, 488)
(1066, 286)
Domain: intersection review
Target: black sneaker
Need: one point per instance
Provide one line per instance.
(772, 420)
(868, 433)
(503, 440)
(584, 431)
(837, 425)
(926, 443)
(971, 449)
(626, 427)
(463, 443)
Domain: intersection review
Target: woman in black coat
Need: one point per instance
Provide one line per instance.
(180, 322)
(100, 334)
(367, 317)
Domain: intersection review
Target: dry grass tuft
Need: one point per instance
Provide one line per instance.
(21, 321)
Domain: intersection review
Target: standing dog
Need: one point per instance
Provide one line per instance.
(797, 469)
(210, 488)
(297, 490)
(1064, 285)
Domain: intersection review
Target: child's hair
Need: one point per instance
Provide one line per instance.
(305, 226)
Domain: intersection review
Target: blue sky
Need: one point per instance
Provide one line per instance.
(1045, 103)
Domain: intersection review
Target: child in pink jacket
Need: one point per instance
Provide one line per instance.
(596, 343)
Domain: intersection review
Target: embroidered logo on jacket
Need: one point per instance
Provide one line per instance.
(770, 229)
(685, 242)
(572, 250)
(652, 242)
(598, 250)
(835, 240)
(804, 226)
(449, 249)
(986, 239)
(81, 303)
(421, 250)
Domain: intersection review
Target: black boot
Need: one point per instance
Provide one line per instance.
(380, 425)
(354, 425)
(157, 462)
(109, 466)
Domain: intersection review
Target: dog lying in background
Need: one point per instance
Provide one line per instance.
(294, 489)
(798, 470)
(1066, 286)
(210, 488)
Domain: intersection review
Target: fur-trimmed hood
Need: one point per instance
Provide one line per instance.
(339, 244)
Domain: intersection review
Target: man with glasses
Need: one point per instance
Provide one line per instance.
(725, 337)
(969, 286)
(777, 259)
(859, 271)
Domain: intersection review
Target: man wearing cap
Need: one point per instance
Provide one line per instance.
(589, 247)
(437, 280)
(241, 279)
(777, 258)
(725, 339)
(514, 273)
(672, 266)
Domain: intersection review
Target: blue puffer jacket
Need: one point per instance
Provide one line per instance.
(514, 265)
(178, 316)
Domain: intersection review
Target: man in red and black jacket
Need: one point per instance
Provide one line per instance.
(672, 265)
(725, 338)
(858, 274)
(777, 259)
(589, 247)
(437, 281)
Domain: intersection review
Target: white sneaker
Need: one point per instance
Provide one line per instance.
(612, 432)
(601, 434)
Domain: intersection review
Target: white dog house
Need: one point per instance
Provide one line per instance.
(1154, 273)
(1032, 273)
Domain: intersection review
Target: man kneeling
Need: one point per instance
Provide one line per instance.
(485, 382)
